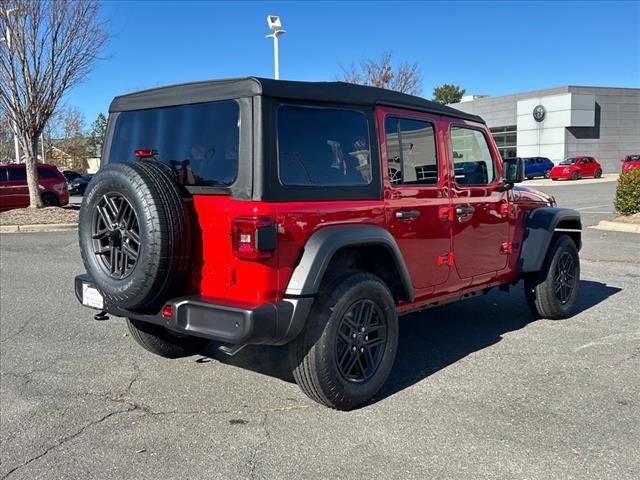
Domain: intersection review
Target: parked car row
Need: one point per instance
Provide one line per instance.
(572, 168)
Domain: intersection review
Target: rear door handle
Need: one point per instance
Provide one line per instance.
(405, 214)
(465, 211)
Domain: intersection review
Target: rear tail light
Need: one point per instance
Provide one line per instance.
(146, 153)
(254, 238)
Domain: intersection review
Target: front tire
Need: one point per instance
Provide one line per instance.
(552, 292)
(598, 173)
(50, 200)
(575, 176)
(346, 352)
(162, 342)
(547, 173)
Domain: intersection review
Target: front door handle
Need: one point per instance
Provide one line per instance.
(405, 214)
(460, 211)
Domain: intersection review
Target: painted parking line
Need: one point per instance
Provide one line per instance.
(594, 206)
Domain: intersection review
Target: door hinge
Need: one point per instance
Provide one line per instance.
(506, 248)
(506, 210)
(446, 259)
(445, 214)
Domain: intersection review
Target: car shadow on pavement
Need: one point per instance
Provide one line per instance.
(429, 340)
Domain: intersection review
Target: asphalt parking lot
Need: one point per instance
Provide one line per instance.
(479, 390)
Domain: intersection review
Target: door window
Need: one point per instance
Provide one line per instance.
(17, 174)
(3, 174)
(46, 173)
(411, 151)
(472, 160)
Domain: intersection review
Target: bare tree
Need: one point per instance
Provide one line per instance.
(405, 78)
(6, 139)
(50, 46)
(70, 137)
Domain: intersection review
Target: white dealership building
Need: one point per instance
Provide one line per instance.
(562, 122)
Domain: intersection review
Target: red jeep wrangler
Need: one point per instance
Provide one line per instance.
(256, 211)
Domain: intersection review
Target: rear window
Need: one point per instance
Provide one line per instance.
(199, 142)
(323, 147)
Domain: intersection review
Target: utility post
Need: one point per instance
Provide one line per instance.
(276, 30)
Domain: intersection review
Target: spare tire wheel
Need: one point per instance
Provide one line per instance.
(135, 234)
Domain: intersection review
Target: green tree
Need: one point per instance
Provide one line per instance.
(447, 93)
(96, 134)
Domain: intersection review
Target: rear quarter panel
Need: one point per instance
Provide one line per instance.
(218, 274)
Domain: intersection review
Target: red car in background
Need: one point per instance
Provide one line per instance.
(576, 167)
(14, 192)
(630, 162)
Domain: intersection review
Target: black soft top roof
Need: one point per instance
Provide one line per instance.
(330, 92)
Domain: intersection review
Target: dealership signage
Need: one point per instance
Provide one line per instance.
(539, 113)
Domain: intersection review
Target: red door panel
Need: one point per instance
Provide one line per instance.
(480, 227)
(416, 193)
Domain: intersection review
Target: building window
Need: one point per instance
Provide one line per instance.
(506, 139)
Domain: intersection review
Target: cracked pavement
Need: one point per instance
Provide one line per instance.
(479, 390)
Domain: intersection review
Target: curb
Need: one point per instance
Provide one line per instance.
(617, 226)
(51, 227)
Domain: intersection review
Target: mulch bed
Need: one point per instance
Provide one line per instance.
(38, 216)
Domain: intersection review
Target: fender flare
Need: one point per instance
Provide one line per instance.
(325, 242)
(540, 227)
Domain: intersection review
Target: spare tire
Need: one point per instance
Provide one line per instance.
(135, 234)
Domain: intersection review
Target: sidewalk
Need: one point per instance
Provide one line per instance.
(547, 182)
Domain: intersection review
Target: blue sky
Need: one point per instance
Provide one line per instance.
(489, 48)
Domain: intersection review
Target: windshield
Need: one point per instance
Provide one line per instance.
(199, 142)
(568, 161)
(632, 158)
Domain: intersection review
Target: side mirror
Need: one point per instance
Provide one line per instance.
(513, 170)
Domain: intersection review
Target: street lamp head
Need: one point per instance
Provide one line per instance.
(274, 22)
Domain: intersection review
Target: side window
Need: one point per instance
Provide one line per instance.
(411, 151)
(472, 160)
(17, 174)
(323, 147)
(46, 173)
(3, 174)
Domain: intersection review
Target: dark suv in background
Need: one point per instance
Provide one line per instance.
(14, 192)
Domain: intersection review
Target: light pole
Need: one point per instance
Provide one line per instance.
(276, 30)
(7, 40)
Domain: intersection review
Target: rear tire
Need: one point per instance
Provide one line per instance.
(334, 361)
(552, 292)
(575, 176)
(160, 341)
(598, 173)
(547, 173)
(50, 200)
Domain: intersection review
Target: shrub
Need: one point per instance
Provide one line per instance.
(628, 193)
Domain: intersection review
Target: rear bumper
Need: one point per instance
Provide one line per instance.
(273, 323)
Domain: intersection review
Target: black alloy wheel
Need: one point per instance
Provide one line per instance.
(361, 341)
(116, 235)
(565, 278)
